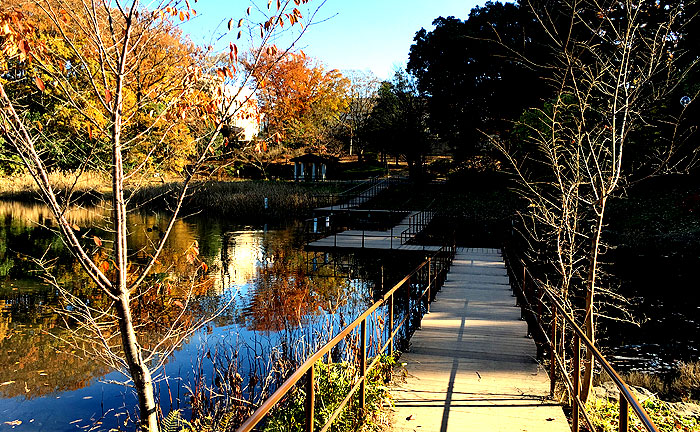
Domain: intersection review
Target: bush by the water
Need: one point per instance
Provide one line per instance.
(332, 385)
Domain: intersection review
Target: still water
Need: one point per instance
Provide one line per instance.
(262, 276)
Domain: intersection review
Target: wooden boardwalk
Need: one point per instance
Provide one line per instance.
(471, 366)
(358, 239)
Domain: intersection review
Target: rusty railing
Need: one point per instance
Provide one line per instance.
(429, 275)
(535, 298)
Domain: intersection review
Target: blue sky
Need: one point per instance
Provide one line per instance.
(349, 34)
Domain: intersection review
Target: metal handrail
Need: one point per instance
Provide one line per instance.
(627, 398)
(306, 369)
(367, 189)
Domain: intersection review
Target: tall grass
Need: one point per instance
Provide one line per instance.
(682, 383)
(23, 187)
(242, 200)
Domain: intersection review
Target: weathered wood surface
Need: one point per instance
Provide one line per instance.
(358, 239)
(471, 367)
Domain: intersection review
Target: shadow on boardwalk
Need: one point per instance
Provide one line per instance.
(471, 366)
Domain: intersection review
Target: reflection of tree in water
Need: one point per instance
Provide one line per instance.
(35, 362)
(35, 356)
(284, 296)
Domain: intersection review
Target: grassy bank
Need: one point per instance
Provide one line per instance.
(605, 416)
(88, 186)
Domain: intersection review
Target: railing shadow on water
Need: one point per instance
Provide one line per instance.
(414, 292)
(549, 321)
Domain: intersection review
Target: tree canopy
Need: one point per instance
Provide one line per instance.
(478, 73)
(299, 99)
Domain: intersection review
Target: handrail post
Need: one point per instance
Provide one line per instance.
(408, 309)
(429, 262)
(624, 414)
(391, 324)
(553, 354)
(363, 365)
(577, 375)
(363, 238)
(310, 400)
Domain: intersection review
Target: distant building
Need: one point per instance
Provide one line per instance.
(245, 123)
(312, 167)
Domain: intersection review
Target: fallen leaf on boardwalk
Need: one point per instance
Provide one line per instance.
(14, 423)
(478, 374)
(7, 383)
(550, 419)
(410, 417)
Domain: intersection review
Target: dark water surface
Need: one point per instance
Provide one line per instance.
(50, 386)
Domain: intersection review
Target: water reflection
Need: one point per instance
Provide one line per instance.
(261, 273)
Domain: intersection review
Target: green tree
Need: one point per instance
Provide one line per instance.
(478, 74)
(397, 124)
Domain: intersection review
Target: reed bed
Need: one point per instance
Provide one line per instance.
(242, 200)
(22, 186)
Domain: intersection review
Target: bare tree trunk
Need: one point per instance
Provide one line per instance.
(138, 368)
(589, 322)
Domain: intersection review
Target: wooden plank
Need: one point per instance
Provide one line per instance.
(471, 366)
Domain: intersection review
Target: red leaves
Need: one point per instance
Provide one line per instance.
(234, 50)
(39, 83)
(104, 266)
(108, 96)
(97, 241)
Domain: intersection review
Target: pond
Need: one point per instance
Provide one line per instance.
(259, 276)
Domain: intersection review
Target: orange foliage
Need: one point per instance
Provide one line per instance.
(299, 98)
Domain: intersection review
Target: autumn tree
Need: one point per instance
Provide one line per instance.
(126, 103)
(300, 100)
